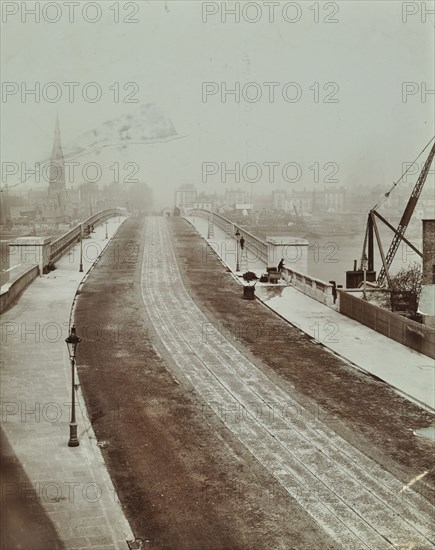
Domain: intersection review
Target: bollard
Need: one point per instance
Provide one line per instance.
(248, 292)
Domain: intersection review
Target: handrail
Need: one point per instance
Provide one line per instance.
(321, 291)
(12, 289)
(60, 245)
(251, 241)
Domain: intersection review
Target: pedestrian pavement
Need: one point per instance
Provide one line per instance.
(70, 483)
(410, 373)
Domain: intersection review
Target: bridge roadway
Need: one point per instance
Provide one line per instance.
(358, 503)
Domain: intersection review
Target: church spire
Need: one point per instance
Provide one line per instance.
(57, 164)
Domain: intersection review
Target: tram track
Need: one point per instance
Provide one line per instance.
(354, 500)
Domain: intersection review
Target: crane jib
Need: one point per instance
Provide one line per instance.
(406, 217)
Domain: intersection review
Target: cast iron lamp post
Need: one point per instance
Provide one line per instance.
(106, 231)
(81, 250)
(72, 342)
(237, 251)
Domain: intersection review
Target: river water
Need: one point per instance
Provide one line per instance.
(330, 257)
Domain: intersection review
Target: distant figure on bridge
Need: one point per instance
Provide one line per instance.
(281, 265)
(242, 242)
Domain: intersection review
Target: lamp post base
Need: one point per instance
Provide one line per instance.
(81, 268)
(73, 439)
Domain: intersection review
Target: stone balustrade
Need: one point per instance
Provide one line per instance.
(292, 249)
(34, 254)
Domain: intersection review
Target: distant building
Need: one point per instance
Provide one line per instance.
(55, 204)
(37, 197)
(330, 199)
(21, 213)
(234, 196)
(279, 199)
(185, 196)
(207, 204)
(56, 199)
(306, 201)
(263, 202)
(359, 200)
(334, 199)
(301, 201)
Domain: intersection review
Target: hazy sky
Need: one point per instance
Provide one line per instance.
(363, 59)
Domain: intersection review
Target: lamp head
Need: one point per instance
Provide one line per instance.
(72, 342)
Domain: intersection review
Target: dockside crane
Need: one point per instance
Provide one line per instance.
(399, 232)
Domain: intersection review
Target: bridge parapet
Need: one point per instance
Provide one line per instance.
(293, 250)
(35, 254)
(315, 288)
(252, 243)
(61, 245)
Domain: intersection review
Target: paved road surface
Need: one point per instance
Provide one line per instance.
(351, 498)
(406, 370)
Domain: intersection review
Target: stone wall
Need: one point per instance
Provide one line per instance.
(11, 291)
(416, 336)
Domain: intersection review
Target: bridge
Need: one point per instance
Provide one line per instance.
(262, 254)
(219, 419)
(32, 256)
(412, 334)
